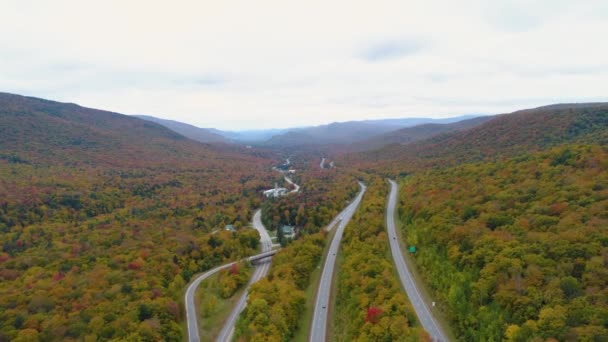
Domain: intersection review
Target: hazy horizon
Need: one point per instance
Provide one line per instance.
(463, 116)
(240, 65)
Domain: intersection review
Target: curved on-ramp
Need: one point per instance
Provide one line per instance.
(191, 317)
(429, 323)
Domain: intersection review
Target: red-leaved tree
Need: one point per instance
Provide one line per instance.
(373, 314)
(234, 269)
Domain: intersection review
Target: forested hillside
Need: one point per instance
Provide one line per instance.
(203, 135)
(505, 135)
(412, 134)
(104, 218)
(509, 218)
(39, 131)
(516, 249)
(486, 235)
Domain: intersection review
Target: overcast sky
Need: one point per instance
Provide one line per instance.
(278, 63)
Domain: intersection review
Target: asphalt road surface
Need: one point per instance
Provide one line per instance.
(341, 215)
(429, 323)
(189, 301)
(260, 271)
(318, 329)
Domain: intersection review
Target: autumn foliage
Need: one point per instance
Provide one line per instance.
(276, 303)
(105, 218)
(370, 303)
(516, 249)
(234, 269)
(373, 315)
(506, 135)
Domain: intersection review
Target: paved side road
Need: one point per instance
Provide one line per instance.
(260, 271)
(429, 323)
(296, 186)
(318, 330)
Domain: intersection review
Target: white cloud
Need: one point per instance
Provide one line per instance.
(275, 63)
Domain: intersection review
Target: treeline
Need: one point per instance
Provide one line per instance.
(516, 249)
(370, 303)
(276, 303)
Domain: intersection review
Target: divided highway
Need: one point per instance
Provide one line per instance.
(260, 271)
(320, 313)
(346, 210)
(319, 322)
(429, 323)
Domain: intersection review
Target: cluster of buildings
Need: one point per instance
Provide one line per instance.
(276, 192)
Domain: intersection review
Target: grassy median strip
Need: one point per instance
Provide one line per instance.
(276, 303)
(216, 297)
(369, 301)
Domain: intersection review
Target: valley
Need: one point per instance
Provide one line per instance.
(289, 171)
(111, 233)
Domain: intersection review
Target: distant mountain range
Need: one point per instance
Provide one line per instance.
(409, 135)
(250, 136)
(90, 129)
(26, 121)
(503, 135)
(212, 135)
(366, 134)
(351, 131)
